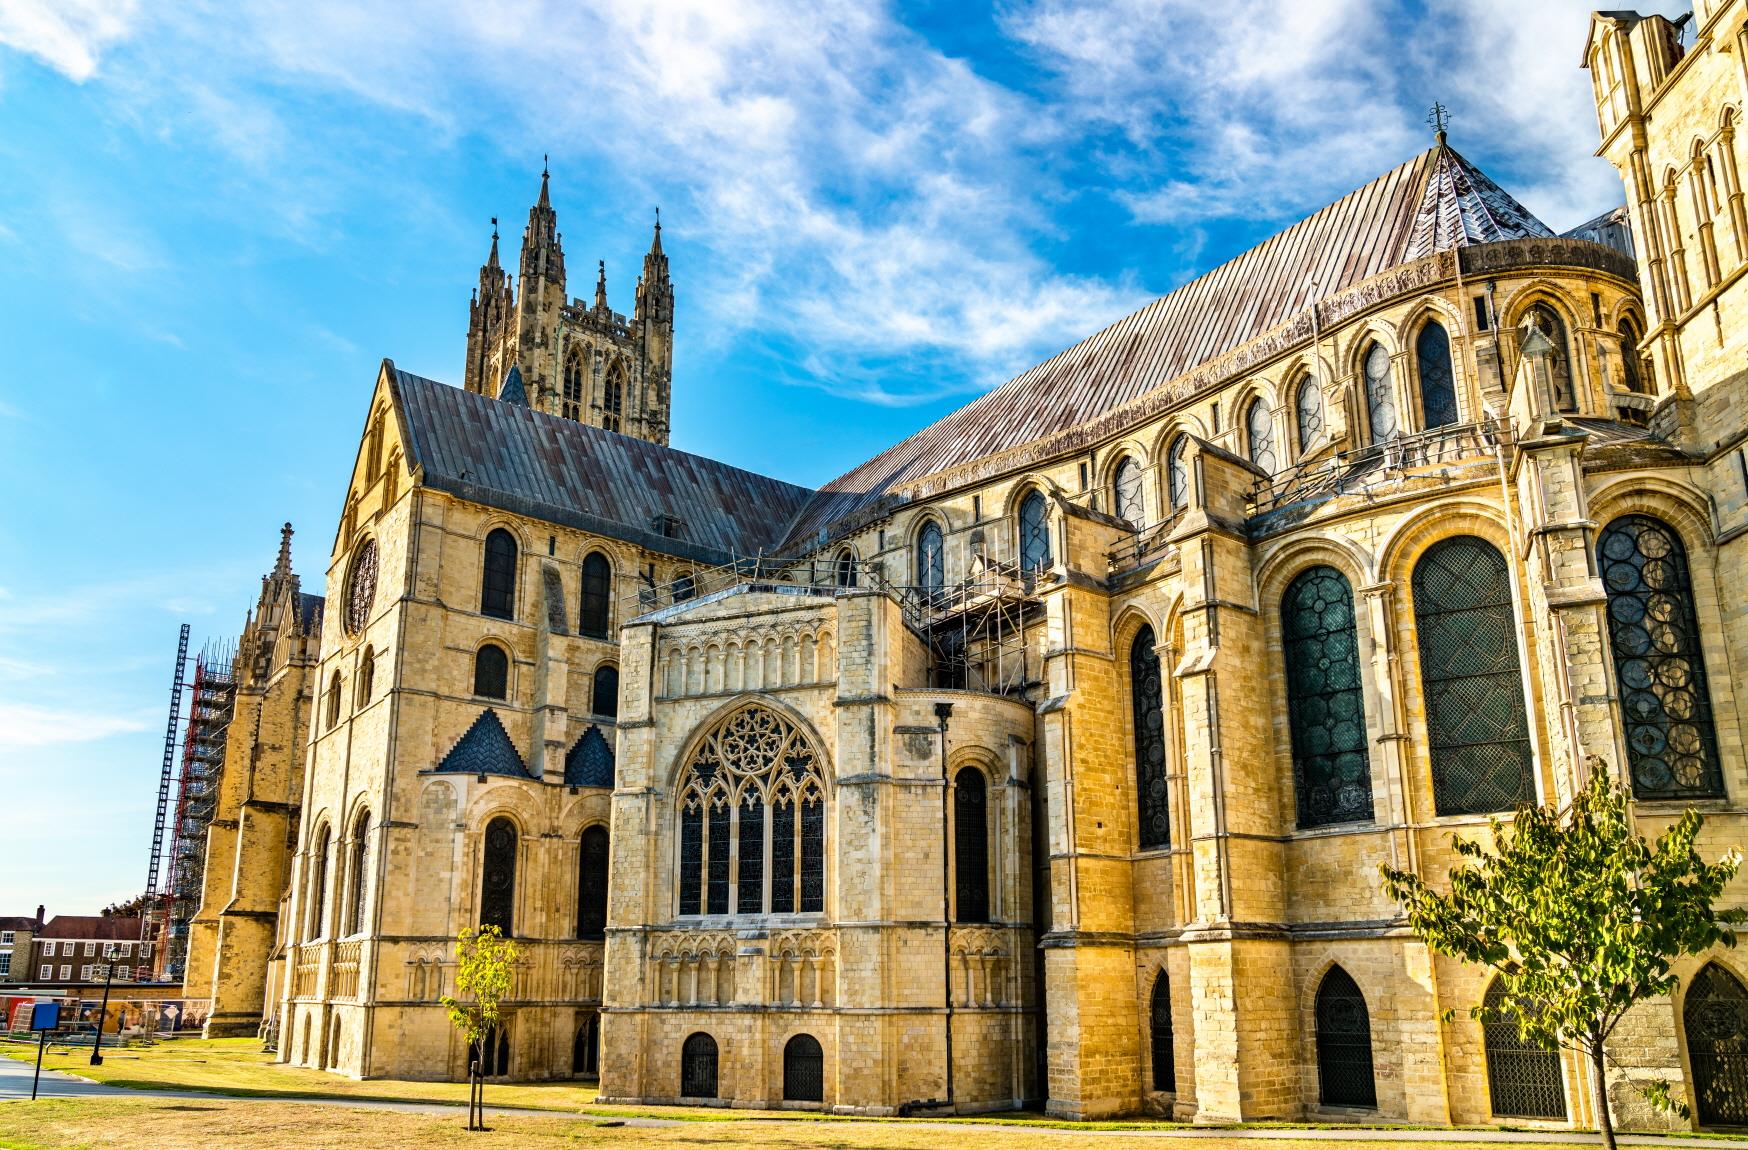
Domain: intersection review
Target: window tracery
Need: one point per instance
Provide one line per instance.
(1126, 485)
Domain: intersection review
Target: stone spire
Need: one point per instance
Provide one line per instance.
(488, 314)
(282, 566)
(601, 289)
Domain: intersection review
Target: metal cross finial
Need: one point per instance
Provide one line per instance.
(1440, 119)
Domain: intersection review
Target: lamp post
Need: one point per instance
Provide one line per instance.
(103, 1011)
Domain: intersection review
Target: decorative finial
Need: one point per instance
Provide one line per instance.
(283, 566)
(658, 217)
(494, 227)
(1440, 119)
(545, 165)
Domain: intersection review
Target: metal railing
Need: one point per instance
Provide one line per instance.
(1351, 472)
(1145, 544)
(819, 573)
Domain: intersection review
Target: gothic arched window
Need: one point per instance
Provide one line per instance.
(592, 883)
(1159, 1035)
(1631, 375)
(1666, 708)
(1715, 1016)
(360, 877)
(1476, 721)
(698, 1067)
(1146, 697)
(491, 672)
(318, 885)
(1308, 407)
(613, 397)
(572, 407)
(845, 568)
(931, 560)
(751, 776)
(604, 698)
(1259, 428)
(1438, 385)
(1523, 1080)
(498, 587)
(803, 1070)
(1034, 533)
(366, 679)
(1325, 705)
(970, 846)
(497, 894)
(1344, 1043)
(1546, 320)
(1129, 503)
(334, 700)
(597, 596)
(1380, 394)
(586, 1048)
(1177, 474)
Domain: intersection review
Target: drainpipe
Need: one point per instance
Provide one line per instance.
(943, 712)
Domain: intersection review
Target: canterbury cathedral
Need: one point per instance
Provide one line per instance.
(1048, 758)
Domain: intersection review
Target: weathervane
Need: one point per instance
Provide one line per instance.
(1440, 119)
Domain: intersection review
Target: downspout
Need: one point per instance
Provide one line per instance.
(943, 712)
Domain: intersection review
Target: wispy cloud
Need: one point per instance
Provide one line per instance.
(67, 35)
(28, 725)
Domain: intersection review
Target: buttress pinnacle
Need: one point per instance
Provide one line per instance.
(282, 566)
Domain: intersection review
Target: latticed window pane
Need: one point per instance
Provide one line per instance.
(720, 825)
(592, 884)
(1034, 533)
(971, 846)
(1148, 711)
(846, 569)
(1666, 707)
(1524, 1080)
(1344, 1043)
(491, 672)
(604, 698)
(1159, 1032)
(597, 595)
(1308, 406)
(750, 873)
(691, 858)
(498, 586)
(783, 858)
(931, 564)
(698, 1067)
(1259, 425)
(1325, 704)
(497, 900)
(803, 1070)
(1380, 395)
(1715, 1015)
(1177, 474)
(1129, 502)
(812, 855)
(1477, 727)
(1438, 388)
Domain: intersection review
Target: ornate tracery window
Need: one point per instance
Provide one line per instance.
(1523, 1080)
(1477, 726)
(1715, 1016)
(1380, 394)
(572, 406)
(361, 587)
(1177, 474)
(613, 397)
(755, 783)
(1146, 694)
(1326, 709)
(1666, 707)
(1438, 386)
(1308, 406)
(497, 895)
(1034, 533)
(1259, 427)
(1126, 487)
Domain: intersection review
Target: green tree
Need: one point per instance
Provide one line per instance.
(1580, 916)
(485, 967)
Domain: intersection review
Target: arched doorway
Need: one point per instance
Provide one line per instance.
(803, 1070)
(1715, 1016)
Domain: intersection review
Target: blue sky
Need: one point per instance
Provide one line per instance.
(217, 217)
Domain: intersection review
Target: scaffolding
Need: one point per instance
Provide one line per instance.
(214, 693)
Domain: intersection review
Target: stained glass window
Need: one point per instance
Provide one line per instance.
(597, 596)
(1308, 405)
(1523, 1080)
(753, 762)
(604, 696)
(1325, 704)
(931, 569)
(1477, 726)
(1344, 1043)
(1159, 1032)
(497, 901)
(1129, 503)
(1660, 674)
(1146, 695)
(1438, 387)
(1259, 426)
(970, 846)
(1034, 533)
(491, 672)
(1380, 395)
(592, 883)
(361, 587)
(1715, 1014)
(498, 588)
(1177, 474)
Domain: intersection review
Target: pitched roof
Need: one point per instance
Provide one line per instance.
(17, 922)
(562, 471)
(589, 762)
(512, 391)
(91, 926)
(485, 749)
(309, 613)
(1437, 199)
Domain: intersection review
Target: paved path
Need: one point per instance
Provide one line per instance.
(15, 1079)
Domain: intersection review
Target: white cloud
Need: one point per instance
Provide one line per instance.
(67, 35)
(29, 725)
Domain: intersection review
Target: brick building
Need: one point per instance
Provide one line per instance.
(69, 950)
(16, 933)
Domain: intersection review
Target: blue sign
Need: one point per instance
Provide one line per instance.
(45, 1016)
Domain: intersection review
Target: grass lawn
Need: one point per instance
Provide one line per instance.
(237, 1124)
(239, 1066)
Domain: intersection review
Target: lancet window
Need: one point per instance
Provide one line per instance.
(752, 820)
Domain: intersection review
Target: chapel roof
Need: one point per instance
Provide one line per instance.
(90, 926)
